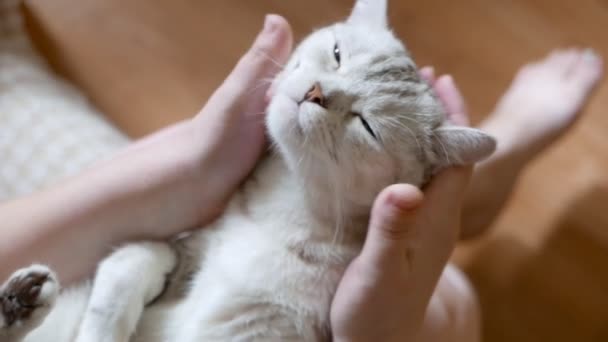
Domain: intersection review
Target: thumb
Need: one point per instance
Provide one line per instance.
(392, 225)
(264, 59)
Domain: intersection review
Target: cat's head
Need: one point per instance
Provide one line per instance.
(350, 108)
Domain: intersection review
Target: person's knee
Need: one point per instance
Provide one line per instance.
(453, 313)
(461, 304)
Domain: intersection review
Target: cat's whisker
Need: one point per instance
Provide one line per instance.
(338, 214)
(274, 61)
(265, 81)
(254, 114)
(261, 83)
(407, 116)
(396, 123)
(268, 79)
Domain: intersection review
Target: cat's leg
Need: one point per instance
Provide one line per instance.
(25, 300)
(125, 283)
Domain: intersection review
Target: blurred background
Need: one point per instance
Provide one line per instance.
(541, 272)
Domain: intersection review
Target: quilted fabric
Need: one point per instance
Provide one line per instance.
(48, 130)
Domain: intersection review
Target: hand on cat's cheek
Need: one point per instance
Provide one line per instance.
(229, 134)
(385, 291)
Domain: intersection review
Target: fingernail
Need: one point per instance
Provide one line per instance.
(404, 207)
(405, 200)
(269, 23)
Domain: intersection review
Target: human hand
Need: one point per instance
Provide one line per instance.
(385, 292)
(229, 131)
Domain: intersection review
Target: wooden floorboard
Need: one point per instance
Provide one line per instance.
(541, 273)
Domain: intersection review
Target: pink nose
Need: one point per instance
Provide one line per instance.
(315, 94)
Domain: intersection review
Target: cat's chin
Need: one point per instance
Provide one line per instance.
(289, 121)
(281, 119)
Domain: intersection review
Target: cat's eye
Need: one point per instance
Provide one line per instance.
(337, 53)
(366, 125)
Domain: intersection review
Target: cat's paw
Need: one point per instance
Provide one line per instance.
(27, 297)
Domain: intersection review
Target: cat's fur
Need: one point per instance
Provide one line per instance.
(268, 268)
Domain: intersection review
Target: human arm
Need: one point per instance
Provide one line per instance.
(188, 170)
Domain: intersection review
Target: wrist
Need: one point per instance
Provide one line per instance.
(514, 152)
(155, 187)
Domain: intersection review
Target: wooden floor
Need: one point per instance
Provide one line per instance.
(542, 273)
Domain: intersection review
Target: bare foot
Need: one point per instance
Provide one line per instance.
(544, 100)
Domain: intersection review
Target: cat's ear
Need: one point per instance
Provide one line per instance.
(457, 146)
(370, 13)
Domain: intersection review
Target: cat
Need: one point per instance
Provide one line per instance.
(349, 116)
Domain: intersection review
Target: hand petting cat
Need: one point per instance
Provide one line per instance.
(200, 163)
(236, 109)
(386, 290)
(189, 170)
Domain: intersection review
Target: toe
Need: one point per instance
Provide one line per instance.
(587, 71)
(557, 64)
(560, 55)
(563, 60)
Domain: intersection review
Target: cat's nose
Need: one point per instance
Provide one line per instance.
(315, 94)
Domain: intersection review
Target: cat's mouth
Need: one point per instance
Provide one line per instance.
(319, 103)
(305, 105)
(308, 110)
(300, 115)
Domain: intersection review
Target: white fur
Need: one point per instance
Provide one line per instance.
(268, 268)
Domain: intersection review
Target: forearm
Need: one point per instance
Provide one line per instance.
(493, 180)
(174, 180)
(146, 191)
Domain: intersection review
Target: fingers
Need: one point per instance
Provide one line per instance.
(413, 232)
(391, 224)
(447, 189)
(265, 57)
(268, 53)
(428, 74)
(449, 95)
(409, 241)
(452, 100)
(443, 202)
(400, 217)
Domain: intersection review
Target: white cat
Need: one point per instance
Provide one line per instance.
(350, 116)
